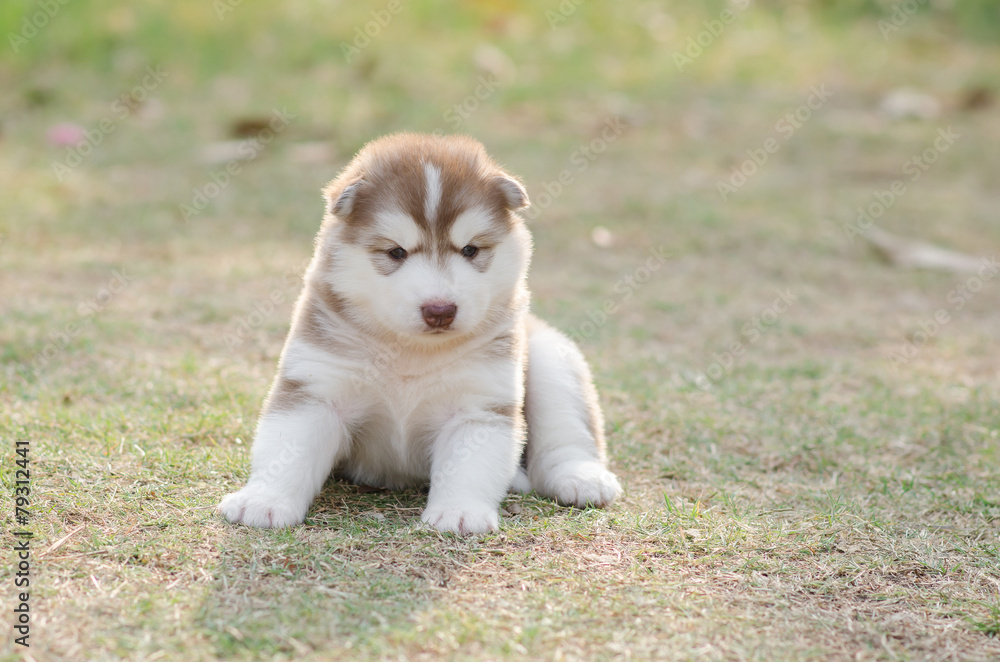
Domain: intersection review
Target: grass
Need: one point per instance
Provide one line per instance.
(803, 500)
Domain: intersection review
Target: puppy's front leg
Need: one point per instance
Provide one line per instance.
(473, 463)
(293, 453)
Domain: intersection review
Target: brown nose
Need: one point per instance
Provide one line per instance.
(438, 315)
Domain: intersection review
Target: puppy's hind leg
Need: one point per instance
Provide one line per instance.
(565, 451)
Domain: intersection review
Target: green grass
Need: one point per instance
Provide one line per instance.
(808, 502)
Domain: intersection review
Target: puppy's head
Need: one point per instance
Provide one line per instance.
(422, 240)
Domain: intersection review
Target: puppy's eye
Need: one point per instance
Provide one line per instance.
(470, 251)
(398, 253)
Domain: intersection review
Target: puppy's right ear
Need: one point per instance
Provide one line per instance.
(343, 204)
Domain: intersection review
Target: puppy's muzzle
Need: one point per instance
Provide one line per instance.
(439, 315)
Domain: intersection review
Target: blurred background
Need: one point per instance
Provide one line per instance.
(161, 166)
(688, 163)
(772, 227)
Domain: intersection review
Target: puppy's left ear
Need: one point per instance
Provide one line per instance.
(513, 192)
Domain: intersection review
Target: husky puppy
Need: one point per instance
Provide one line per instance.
(412, 358)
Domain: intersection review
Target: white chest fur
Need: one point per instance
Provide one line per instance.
(394, 401)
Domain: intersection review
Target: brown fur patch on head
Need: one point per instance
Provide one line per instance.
(389, 174)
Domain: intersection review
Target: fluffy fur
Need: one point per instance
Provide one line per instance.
(412, 357)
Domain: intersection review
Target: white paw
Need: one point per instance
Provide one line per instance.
(521, 484)
(256, 507)
(463, 520)
(583, 484)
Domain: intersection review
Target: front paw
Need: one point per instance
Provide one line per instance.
(462, 519)
(261, 508)
(583, 484)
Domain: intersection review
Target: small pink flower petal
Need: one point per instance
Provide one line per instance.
(64, 134)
